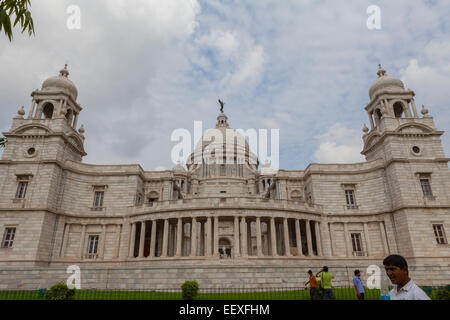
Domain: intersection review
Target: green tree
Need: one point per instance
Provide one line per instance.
(19, 11)
(2, 142)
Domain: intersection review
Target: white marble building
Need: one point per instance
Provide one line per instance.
(222, 225)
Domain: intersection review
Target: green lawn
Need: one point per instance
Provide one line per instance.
(215, 294)
(205, 294)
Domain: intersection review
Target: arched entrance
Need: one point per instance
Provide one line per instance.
(225, 248)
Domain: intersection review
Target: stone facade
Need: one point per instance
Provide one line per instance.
(229, 225)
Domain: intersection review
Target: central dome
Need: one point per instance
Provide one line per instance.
(61, 82)
(232, 145)
(385, 82)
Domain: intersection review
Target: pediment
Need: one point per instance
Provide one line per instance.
(32, 130)
(414, 128)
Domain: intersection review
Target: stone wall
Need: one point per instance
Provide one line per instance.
(269, 275)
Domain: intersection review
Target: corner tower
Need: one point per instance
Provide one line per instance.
(49, 131)
(415, 170)
(396, 129)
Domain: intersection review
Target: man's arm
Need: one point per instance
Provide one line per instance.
(356, 288)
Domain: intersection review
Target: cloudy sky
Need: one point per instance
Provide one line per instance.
(144, 68)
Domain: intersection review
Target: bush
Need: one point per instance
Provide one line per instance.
(59, 291)
(442, 294)
(189, 290)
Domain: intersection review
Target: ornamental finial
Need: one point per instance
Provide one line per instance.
(381, 72)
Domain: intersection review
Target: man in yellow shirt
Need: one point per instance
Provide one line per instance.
(325, 278)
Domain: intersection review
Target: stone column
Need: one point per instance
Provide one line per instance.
(33, 106)
(413, 104)
(371, 121)
(102, 242)
(194, 238)
(83, 235)
(165, 238)
(308, 238)
(298, 238)
(142, 240)
(236, 246)
(179, 237)
(249, 238)
(383, 238)
(317, 226)
(347, 242)
(407, 111)
(118, 236)
(258, 237)
(153, 240)
(75, 121)
(273, 237)
(216, 237)
(244, 237)
(332, 238)
(287, 246)
(132, 240)
(65, 240)
(367, 236)
(208, 237)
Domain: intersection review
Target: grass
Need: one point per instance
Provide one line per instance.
(213, 294)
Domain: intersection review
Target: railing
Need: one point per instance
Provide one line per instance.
(226, 201)
(342, 293)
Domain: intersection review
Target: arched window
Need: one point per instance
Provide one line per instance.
(398, 110)
(47, 111)
(69, 116)
(378, 116)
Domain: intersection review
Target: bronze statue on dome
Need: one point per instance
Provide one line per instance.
(221, 105)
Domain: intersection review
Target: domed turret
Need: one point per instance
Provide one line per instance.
(385, 82)
(61, 82)
(179, 168)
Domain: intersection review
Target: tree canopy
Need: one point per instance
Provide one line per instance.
(18, 10)
(2, 142)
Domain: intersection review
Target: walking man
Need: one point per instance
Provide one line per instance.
(313, 287)
(357, 283)
(325, 278)
(404, 288)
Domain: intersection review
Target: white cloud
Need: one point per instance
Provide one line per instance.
(225, 42)
(339, 145)
(146, 67)
(249, 68)
(432, 81)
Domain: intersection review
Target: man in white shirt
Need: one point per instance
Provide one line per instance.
(404, 288)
